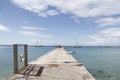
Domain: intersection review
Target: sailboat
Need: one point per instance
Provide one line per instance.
(76, 44)
(38, 45)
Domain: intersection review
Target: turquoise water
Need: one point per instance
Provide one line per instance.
(103, 63)
(6, 58)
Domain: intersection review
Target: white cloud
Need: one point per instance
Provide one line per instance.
(31, 5)
(33, 28)
(37, 6)
(4, 28)
(46, 36)
(109, 36)
(35, 34)
(109, 21)
(76, 19)
(76, 8)
(79, 8)
(29, 33)
(48, 13)
(111, 32)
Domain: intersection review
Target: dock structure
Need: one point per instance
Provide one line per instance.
(57, 64)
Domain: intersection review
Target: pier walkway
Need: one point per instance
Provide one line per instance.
(55, 65)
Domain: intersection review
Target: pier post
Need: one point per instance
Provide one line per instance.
(26, 55)
(15, 56)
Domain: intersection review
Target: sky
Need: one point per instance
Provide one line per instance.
(65, 22)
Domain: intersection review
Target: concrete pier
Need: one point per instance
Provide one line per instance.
(57, 64)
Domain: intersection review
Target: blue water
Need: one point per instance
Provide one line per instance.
(103, 63)
(6, 58)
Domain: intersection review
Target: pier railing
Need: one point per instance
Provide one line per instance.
(15, 56)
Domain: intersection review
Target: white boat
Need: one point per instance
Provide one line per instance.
(76, 44)
(38, 45)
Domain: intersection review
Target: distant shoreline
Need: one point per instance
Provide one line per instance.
(66, 46)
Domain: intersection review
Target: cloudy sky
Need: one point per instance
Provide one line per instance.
(87, 22)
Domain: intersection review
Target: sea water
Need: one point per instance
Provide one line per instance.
(6, 58)
(102, 62)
